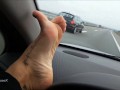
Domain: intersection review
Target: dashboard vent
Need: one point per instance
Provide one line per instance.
(76, 54)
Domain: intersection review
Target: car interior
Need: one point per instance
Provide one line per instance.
(73, 67)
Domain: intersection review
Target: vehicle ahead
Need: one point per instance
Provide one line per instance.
(74, 23)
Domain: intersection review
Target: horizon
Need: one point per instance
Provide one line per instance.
(99, 12)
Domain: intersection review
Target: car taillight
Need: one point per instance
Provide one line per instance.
(72, 22)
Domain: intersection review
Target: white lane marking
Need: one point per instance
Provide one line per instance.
(84, 31)
(118, 46)
(96, 30)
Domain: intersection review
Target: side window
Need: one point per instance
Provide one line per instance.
(70, 16)
(63, 14)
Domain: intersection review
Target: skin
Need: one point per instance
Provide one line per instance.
(33, 69)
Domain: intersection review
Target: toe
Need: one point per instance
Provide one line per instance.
(61, 22)
(40, 17)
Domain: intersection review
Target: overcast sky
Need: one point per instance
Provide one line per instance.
(106, 13)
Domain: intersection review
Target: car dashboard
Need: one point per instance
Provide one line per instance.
(74, 66)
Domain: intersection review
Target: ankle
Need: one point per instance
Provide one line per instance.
(19, 71)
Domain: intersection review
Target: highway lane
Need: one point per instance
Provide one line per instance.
(96, 38)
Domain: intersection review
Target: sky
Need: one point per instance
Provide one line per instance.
(103, 12)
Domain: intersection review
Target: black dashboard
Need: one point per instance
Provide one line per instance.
(77, 67)
(74, 66)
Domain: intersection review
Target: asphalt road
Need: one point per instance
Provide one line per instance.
(96, 38)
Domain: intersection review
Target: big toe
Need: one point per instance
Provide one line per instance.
(61, 22)
(42, 19)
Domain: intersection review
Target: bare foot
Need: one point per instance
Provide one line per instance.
(34, 68)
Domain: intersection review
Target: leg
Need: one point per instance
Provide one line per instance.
(34, 68)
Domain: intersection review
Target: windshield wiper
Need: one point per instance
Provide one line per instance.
(93, 51)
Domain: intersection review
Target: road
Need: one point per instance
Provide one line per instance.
(96, 38)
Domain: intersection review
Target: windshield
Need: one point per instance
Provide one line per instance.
(100, 27)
